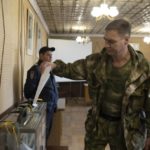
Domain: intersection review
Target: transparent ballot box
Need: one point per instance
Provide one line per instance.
(8, 136)
(31, 132)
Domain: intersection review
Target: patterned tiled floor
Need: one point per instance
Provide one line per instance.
(72, 121)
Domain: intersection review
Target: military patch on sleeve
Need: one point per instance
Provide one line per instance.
(31, 74)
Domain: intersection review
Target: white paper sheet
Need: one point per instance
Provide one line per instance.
(42, 82)
(24, 146)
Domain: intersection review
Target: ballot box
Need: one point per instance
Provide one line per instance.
(31, 133)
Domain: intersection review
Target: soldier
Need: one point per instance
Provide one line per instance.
(118, 79)
(49, 92)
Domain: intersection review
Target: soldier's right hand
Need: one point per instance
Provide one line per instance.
(43, 65)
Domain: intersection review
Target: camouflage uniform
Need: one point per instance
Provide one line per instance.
(131, 131)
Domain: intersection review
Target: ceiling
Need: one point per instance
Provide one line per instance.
(62, 16)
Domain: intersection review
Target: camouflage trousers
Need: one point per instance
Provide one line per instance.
(101, 132)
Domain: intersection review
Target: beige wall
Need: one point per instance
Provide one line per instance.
(14, 60)
(98, 44)
(144, 48)
(9, 52)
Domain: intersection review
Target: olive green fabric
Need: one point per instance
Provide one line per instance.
(102, 132)
(135, 106)
(115, 87)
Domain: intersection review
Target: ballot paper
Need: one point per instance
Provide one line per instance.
(24, 146)
(44, 77)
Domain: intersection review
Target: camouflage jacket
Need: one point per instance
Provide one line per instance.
(136, 99)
